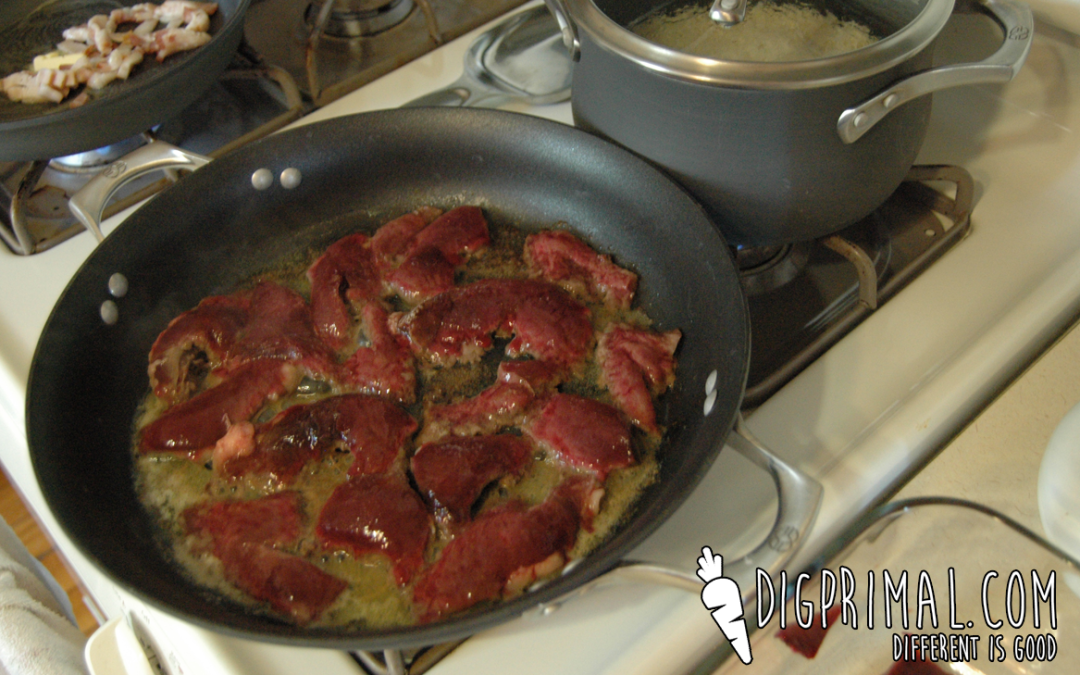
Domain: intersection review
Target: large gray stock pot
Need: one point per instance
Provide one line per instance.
(778, 151)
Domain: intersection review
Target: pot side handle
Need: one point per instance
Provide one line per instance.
(88, 204)
(1001, 66)
(799, 499)
(570, 38)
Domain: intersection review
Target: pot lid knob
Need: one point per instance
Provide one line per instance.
(728, 12)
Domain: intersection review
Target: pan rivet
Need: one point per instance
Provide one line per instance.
(710, 383)
(118, 285)
(710, 401)
(290, 178)
(110, 313)
(262, 179)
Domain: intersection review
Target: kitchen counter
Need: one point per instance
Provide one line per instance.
(995, 460)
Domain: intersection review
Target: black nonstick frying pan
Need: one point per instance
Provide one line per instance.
(154, 92)
(213, 230)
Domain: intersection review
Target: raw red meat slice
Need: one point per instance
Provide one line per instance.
(431, 256)
(344, 274)
(200, 337)
(225, 332)
(507, 546)
(373, 430)
(196, 424)
(557, 255)
(243, 535)
(635, 365)
(390, 242)
(453, 472)
(454, 234)
(503, 404)
(273, 520)
(583, 433)
(385, 367)
(289, 584)
(378, 514)
(807, 641)
(458, 325)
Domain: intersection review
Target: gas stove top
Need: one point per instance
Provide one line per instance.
(861, 417)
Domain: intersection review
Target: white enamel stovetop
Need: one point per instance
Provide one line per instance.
(861, 419)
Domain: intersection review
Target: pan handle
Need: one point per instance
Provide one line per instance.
(799, 499)
(88, 204)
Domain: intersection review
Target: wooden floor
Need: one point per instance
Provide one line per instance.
(16, 515)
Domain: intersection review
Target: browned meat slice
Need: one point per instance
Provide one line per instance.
(378, 514)
(557, 255)
(243, 535)
(196, 425)
(498, 554)
(454, 471)
(432, 255)
(344, 274)
(225, 332)
(635, 365)
(386, 366)
(583, 433)
(458, 325)
(373, 430)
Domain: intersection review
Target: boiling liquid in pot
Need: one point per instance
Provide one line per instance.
(770, 32)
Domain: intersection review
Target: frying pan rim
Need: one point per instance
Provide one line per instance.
(459, 625)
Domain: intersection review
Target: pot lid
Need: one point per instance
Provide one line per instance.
(777, 44)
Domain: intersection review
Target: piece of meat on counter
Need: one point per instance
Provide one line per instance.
(636, 365)
(385, 366)
(223, 333)
(378, 514)
(372, 429)
(196, 425)
(344, 275)
(559, 256)
(430, 258)
(807, 641)
(458, 325)
(453, 472)
(499, 553)
(583, 433)
(243, 535)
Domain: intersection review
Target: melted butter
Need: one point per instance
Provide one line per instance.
(168, 484)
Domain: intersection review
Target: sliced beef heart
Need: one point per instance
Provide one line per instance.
(635, 365)
(458, 325)
(197, 424)
(453, 472)
(378, 514)
(372, 429)
(583, 433)
(497, 554)
(344, 274)
(559, 256)
(243, 535)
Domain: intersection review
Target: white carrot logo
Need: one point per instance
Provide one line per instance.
(722, 597)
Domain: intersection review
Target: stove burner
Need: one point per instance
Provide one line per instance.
(848, 275)
(94, 160)
(766, 268)
(357, 18)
